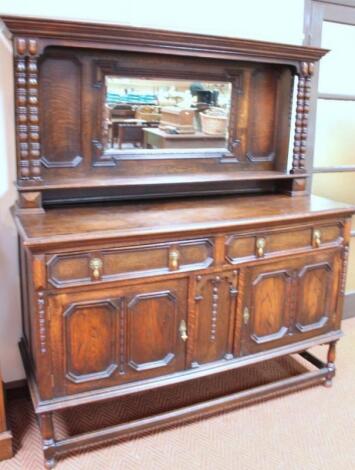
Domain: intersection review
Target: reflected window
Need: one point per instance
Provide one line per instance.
(143, 113)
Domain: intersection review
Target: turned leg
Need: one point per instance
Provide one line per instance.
(47, 431)
(330, 364)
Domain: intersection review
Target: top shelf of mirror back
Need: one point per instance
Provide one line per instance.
(134, 107)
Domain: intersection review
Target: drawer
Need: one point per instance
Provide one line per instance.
(69, 269)
(276, 241)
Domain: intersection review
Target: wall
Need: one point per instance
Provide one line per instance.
(275, 20)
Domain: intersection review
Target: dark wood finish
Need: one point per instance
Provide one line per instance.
(60, 93)
(214, 317)
(124, 297)
(116, 335)
(130, 336)
(187, 414)
(143, 39)
(289, 299)
(169, 218)
(6, 451)
(73, 269)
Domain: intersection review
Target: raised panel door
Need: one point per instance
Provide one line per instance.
(117, 335)
(212, 317)
(267, 306)
(290, 299)
(91, 329)
(154, 344)
(318, 284)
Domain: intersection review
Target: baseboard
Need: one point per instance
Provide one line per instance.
(16, 389)
(21, 383)
(349, 305)
(6, 451)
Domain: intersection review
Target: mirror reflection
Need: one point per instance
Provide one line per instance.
(143, 113)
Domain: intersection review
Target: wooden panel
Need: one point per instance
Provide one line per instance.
(91, 339)
(152, 330)
(270, 294)
(282, 239)
(132, 261)
(331, 233)
(269, 304)
(261, 132)
(286, 299)
(214, 317)
(196, 253)
(317, 293)
(60, 112)
(313, 298)
(68, 268)
(153, 259)
(107, 337)
(246, 246)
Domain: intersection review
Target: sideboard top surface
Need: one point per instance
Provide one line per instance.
(138, 219)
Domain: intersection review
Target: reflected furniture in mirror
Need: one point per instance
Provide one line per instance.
(197, 110)
(5, 434)
(164, 228)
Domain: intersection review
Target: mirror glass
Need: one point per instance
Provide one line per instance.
(144, 113)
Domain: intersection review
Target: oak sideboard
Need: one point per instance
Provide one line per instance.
(144, 268)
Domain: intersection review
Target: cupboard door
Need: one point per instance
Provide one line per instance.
(107, 337)
(154, 321)
(267, 307)
(318, 283)
(213, 320)
(289, 300)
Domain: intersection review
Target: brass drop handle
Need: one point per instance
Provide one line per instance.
(96, 266)
(260, 246)
(183, 330)
(174, 256)
(246, 315)
(317, 238)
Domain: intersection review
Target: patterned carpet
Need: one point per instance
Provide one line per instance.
(310, 430)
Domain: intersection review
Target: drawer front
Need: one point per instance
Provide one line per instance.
(72, 269)
(276, 241)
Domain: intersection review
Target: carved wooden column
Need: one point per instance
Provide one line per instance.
(302, 111)
(27, 111)
(5, 435)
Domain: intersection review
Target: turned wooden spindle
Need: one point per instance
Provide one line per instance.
(302, 112)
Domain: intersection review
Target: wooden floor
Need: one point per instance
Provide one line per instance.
(310, 429)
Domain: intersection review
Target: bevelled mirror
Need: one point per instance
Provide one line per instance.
(155, 113)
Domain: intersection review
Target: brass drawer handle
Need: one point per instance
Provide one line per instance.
(317, 238)
(96, 266)
(183, 330)
(260, 246)
(174, 256)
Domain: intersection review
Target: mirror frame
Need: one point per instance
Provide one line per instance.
(106, 68)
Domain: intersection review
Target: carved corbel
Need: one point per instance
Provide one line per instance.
(302, 111)
(27, 110)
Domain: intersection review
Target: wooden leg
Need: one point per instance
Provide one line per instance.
(49, 446)
(330, 364)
